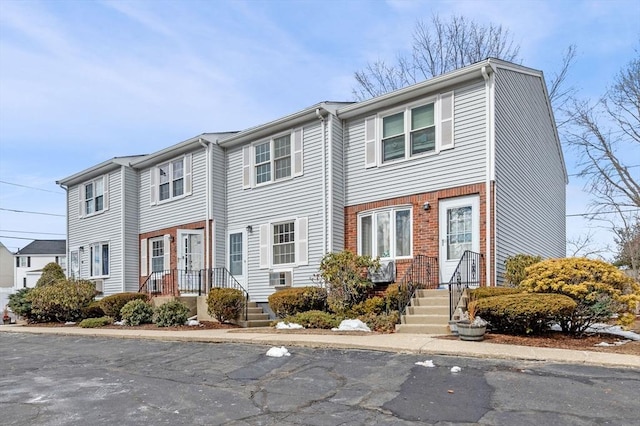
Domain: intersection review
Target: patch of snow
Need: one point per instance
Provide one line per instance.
(615, 330)
(195, 317)
(192, 323)
(352, 325)
(427, 363)
(278, 352)
(288, 326)
(123, 322)
(70, 323)
(456, 369)
(616, 343)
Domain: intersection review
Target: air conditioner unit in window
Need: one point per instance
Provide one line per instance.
(280, 278)
(99, 285)
(385, 275)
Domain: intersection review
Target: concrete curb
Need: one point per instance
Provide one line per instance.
(398, 343)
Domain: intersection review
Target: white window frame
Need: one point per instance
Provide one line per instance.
(23, 261)
(291, 224)
(300, 242)
(156, 179)
(100, 259)
(84, 202)
(152, 241)
(374, 149)
(250, 163)
(392, 232)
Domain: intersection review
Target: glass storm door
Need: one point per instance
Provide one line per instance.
(459, 231)
(236, 256)
(190, 260)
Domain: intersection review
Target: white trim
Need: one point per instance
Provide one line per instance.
(329, 228)
(144, 267)
(271, 141)
(242, 279)
(448, 203)
(392, 231)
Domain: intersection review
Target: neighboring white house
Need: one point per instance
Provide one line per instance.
(6, 276)
(466, 161)
(30, 260)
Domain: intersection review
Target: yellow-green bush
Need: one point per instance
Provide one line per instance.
(290, 301)
(314, 319)
(95, 322)
(61, 301)
(525, 313)
(393, 296)
(112, 305)
(515, 268)
(93, 310)
(599, 289)
(383, 323)
(51, 273)
(225, 304)
(484, 292)
(372, 306)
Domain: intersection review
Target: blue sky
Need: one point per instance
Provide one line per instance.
(85, 81)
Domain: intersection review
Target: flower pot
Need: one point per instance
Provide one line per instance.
(470, 332)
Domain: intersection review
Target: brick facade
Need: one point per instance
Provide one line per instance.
(173, 232)
(425, 223)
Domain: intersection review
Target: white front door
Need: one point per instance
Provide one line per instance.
(459, 231)
(190, 260)
(237, 255)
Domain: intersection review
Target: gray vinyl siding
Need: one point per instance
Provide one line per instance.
(166, 214)
(218, 190)
(131, 251)
(101, 227)
(530, 180)
(465, 164)
(338, 189)
(289, 199)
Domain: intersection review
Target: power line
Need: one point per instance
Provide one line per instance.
(17, 238)
(24, 211)
(598, 213)
(32, 187)
(30, 232)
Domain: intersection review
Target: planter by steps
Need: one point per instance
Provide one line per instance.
(453, 327)
(471, 332)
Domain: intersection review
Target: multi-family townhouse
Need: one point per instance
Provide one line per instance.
(467, 163)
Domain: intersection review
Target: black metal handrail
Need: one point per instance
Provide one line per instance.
(421, 274)
(468, 274)
(199, 281)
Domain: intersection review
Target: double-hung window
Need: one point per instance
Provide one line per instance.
(284, 243)
(99, 260)
(157, 255)
(398, 143)
(93, 197)
(273, 159)
(171, 179)
(385, 233)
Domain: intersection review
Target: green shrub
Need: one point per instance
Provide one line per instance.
(344, 275)
(225, 304)
(137, 312)
(383, 323)
(372, 306)
(314, 319)
(525, 313)
(96, 322)
(171, 314)
(93, 310)
(111, 305)
(600, 290)
(51, 273)
(20, 303)
(290, 301)
(61, 301)
(515, 268)
(394, 296)
(484, 292)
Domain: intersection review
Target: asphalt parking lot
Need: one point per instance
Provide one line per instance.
(67, 380)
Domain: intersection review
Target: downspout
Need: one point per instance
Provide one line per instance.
(123, 217)
(324, 182)
(489, 174)
(66, 190)
(207, 238)
(330, 184)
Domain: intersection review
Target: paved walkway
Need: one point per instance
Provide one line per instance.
(397, 342)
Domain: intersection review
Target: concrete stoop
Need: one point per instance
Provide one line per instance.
(428, 313)
(256, 316)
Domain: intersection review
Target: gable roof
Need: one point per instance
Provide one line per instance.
(44, 247)
(98, 169)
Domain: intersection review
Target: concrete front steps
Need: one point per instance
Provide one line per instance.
(256, 316)
(427, 313)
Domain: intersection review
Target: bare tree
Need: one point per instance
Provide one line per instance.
(438, 47)
(628, 241)
(584, 246)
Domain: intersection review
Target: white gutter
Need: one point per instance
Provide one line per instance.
(324, 181)
(330, 178)
(208, 171)
(489, 76)
(123, 203)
